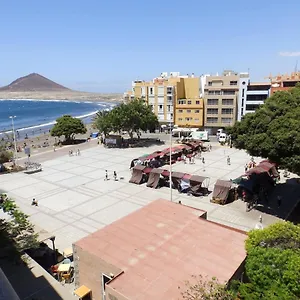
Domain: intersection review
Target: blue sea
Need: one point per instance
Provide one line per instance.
(34, 117)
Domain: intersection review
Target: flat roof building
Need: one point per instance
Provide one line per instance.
(150, 253)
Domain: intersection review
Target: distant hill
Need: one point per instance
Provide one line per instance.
(34, 83)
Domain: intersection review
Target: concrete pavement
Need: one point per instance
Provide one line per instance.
(75, 200)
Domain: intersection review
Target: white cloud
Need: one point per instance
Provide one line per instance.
(289, 53)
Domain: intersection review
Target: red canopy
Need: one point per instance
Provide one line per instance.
(266, 165)
(165, 173)
(187, 176)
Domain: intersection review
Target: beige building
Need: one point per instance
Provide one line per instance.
(173, 98)
(222, 94)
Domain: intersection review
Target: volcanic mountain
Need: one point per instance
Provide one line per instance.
(34, 83)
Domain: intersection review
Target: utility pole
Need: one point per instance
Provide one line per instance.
(14, 137)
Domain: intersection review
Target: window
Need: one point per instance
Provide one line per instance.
(227, 101)
(169, 90)
(169, 98)
(197, 102)
(188, 119)
(233, 82)
(179, 119)
(151, 91)
(180, 111)
(196, 120)
(209, 83)
(214, 92)
(252, 107)
(189, 102)
(228, 92)
(211, 120)
(169, 108)
(151, 106)
(243, 93)
(197, 111)
(181, 101)
(212, 111)
(160, 107)
(212, 101)
(188, 111)
(227, 111)
(226, 120)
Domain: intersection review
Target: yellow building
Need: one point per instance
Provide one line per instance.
(173, 98)
(188, 106)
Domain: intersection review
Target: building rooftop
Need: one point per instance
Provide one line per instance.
(163, 244)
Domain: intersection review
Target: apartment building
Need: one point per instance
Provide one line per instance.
(222, 94)
(174, 98)
(189, 106)
(283, 82)
(256, 94)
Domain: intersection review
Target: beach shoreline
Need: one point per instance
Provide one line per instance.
(62, 96)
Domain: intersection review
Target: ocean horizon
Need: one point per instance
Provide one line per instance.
(34, 117)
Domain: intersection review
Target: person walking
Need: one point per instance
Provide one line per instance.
(228, 160)
(106, 175)
(115, 176)
(203, 160)
(78, 152)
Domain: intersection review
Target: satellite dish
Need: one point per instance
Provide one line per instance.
(275, 85)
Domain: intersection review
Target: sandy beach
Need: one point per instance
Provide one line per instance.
(61, 95)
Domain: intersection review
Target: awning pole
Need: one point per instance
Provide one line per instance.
(171, 196)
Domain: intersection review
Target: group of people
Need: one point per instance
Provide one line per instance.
(115, 176)
(77, 153)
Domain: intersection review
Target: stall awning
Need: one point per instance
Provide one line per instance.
(43, 234)
(68, 252)
(82, 291)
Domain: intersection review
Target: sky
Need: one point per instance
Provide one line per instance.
(101, 46)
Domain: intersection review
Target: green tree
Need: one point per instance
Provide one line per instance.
(16, 232)
(273, 130)
(273, 263)
(199, 288)
(131, 117)
(5, 155)
(102, 122)
(68, 127)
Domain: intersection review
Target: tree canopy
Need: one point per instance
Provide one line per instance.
(272, 269)
(68, 127)
(16, 232)
(5, 155)
(131, 117)
(273, 263)
(273, 130)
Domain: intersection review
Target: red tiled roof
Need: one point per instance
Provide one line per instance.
(163, 244)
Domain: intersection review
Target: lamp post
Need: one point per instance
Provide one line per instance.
(170, 177)
(14, 136)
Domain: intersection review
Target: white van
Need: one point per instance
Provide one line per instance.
(222, 138)
(219, 131)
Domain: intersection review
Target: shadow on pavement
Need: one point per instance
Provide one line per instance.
(28, 281)
(283, 201)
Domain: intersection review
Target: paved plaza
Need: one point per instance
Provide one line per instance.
(75, 200)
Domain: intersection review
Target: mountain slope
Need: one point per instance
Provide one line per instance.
(33, 83)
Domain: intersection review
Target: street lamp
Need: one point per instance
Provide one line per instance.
(14, 136)
(170, 177)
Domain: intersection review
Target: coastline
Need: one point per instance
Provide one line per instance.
(40, 127)
(61, 96)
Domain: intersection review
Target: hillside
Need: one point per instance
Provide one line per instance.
(35, 86)
(33, 83)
